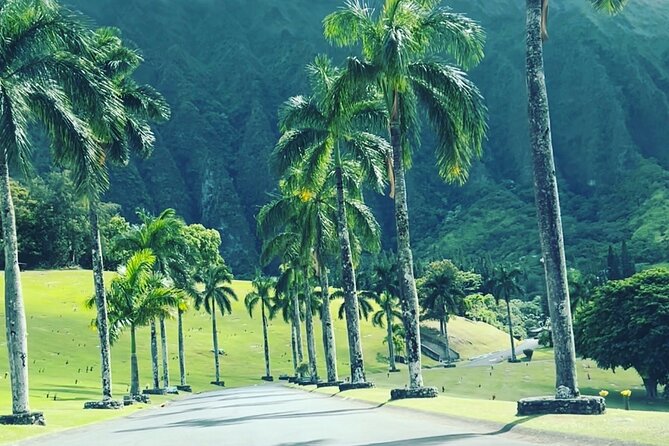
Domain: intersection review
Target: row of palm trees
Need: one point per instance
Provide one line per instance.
(77, 84)
(333, 145)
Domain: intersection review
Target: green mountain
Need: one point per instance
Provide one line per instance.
(225, 67)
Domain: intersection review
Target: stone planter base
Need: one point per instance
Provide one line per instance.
(154, 391)
(293, 379)
(584, 405)
(394, 371)
(420, 392)
(185, 388)
(513, 361)
(104, 405)
(267, 378)
(128, 400)
(330, 384)
(218, 383)
(343, 387)
(450, 365)
(307, 382)
(284, 377)
(172, 391)
(24, 419)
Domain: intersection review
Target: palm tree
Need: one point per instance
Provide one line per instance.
(263, 287)
(45, 76)
(401, 46)
(129, 132)
(384, 289)
(216, 290)
(163, 236)
(317, 132)
(505, 285)
(442, 291)
(546, 191)
(282, 302)
(365, 307)
(136, 296)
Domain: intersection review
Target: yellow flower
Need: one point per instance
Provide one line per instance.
(626, 393)
(306, 195)
(603, 393)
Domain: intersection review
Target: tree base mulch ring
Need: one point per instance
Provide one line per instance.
(269, 378)
(24, 419)
(545, 405)
(513, 361)
(218, 383)
(307, 382)
(154, 392)
(329, 384)
(343, 387)
(284, 378)
(104, 405)
(185, 388)
(293, 379)
(418, 392)
(394, 371)
(450, 365)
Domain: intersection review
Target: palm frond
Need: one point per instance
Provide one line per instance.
(609, 6)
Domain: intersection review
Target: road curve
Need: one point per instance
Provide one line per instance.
(273, 415)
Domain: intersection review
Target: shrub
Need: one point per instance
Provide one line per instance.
(546, 338)
(528, 352)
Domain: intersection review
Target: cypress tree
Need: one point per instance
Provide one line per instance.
(627, 267)
(613, 265)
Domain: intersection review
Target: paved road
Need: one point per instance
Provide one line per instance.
(279, 416)
(497, 357)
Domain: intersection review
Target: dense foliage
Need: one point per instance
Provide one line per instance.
(627, 325)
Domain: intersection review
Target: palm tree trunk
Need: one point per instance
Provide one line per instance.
(408, 293)
(448, 344)
(182, 354)
(154, 355)
(391, 344)
(163, 345)
(513, 344)
(548, 205)
(265, 338)
(15, 316)
(442, 328)
(134, 369)
(297, 324)
(214, 333)
(328, 330)
(100, 302)
(293, 346)
(311, 343)
(348, 281)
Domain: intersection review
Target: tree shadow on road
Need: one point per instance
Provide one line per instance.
(441, 439)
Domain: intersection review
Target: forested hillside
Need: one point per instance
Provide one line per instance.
(226, 66)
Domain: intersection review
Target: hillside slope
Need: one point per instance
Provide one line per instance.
(226, 66)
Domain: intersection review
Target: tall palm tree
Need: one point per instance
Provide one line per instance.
(505, 285)
(401, 46)
(546, 191)
(262, 294)
(163, 236)
(216, 290)
(129, 132)
(317, 132)
(282, 302)
(44, 77)
(136, 296)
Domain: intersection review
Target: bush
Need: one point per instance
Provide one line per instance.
(528, 352)
(546, 338)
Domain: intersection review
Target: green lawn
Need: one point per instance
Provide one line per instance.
(627, 427)
(62, 346)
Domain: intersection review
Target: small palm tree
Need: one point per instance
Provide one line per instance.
(401, 46)
(505, 285)
(216, 290)
(262, 294)
(365, 307)
(136, 296)
(282, 303)
(387, 315)
(547, 198)
(163, 236)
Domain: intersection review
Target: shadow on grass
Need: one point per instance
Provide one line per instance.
(441, 439)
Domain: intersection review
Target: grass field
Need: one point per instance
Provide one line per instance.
(64, 358)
